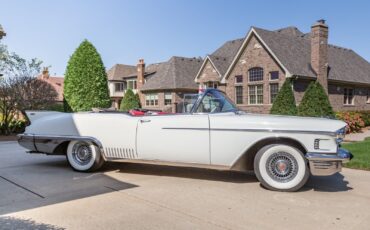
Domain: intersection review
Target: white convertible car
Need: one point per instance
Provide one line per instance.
(281, 150)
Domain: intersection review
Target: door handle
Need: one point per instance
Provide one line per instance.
(144, 120)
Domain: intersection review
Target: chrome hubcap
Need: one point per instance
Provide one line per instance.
(282, 167)
(82, 153)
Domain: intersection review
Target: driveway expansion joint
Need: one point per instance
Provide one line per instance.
(22, 187)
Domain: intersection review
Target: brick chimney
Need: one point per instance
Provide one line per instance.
(319, 52)
(45, 73)
(140, 78)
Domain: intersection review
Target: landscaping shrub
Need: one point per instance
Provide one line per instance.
(130, 101)
(365, 115)
(59, 107)
(315, 102)
(284, 103)
(15, 126)
(353, 120)
(85, 85)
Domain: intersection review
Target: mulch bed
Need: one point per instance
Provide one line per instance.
(8, 138)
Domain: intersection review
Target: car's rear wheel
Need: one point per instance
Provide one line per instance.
(84, 156)
(281, 167)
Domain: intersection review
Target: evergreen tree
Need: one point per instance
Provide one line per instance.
(284, 103)
(130, 101)
(315, 102)
(85, 85)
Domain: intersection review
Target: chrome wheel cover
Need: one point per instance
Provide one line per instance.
(82, 153)
(282, 167)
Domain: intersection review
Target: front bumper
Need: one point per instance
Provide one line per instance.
(327, 164)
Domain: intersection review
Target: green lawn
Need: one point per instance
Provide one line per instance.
(361, 153)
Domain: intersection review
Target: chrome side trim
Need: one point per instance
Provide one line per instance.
(48, 143)
(257, 130)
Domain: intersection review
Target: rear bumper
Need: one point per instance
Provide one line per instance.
(328, 164)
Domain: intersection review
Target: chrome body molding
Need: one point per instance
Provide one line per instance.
(258, 130)
(48, 144)
(328, 164)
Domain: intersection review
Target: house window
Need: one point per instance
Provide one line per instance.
(348, 96)
(274, 89)
(119, 87)
(151, 99)
(239, 79)
(255, 94)
(239, 94)
(212, 84)
(167, 98)
(255, 74)
(274, 75)
(131, 84)
(368, 96)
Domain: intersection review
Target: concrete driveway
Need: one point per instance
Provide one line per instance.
(42, 192)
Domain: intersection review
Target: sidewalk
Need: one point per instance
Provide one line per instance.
(358, 136)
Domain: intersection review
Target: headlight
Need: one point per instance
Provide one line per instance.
(341, 133)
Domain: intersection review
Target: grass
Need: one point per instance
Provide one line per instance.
(361, 153)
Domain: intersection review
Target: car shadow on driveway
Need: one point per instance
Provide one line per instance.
(50, 181)
(182, 172)
(333, 183)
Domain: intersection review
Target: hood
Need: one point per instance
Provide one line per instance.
(298, 123)
(280, 122)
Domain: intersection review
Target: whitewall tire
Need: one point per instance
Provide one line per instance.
(281, 167)
(84, 156)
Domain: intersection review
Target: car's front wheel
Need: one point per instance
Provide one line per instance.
(84, 156)
(281, 167)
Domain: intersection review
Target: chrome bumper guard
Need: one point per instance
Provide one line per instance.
(327, 164)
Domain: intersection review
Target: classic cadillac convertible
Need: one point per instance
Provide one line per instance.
(281, 150)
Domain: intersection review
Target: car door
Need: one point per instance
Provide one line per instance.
(176, 138)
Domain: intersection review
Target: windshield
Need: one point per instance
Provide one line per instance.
(189, 101)
(215, 102)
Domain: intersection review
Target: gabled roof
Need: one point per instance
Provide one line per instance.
(120, 71)
(176, 73)
(292, 50)
(222, 57)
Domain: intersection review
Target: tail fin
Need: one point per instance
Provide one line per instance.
(35, 115)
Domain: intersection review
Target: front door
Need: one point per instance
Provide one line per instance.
(177, 138)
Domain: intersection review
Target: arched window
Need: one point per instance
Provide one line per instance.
(255, 74)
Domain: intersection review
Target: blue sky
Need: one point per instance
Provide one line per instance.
(124, 31)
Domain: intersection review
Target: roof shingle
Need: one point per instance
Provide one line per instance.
(176, 73)
(293, 49)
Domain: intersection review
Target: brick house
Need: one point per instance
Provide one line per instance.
(122, 77)
(161, 86)
(55, 81)
(251, 70)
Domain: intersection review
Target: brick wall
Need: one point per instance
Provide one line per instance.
(254, 55)
(336, 97)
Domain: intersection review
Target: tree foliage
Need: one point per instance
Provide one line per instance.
(85, 85)
(20, 90)
(284, 103)
(130, 101)
(315, 102)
